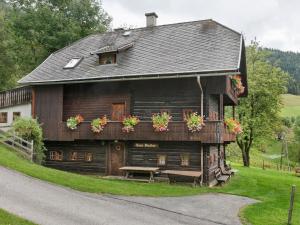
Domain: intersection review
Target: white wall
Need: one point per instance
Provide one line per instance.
(24, 109)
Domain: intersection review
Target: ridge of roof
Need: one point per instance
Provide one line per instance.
(147, 28)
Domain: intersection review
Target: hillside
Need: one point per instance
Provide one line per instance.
(271, 187)
(291, 105)
(289, 62)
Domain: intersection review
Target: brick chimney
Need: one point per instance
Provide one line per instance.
(151, 19)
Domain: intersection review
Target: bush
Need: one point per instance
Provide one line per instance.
(29, 129)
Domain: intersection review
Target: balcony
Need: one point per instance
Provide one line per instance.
(213, 132)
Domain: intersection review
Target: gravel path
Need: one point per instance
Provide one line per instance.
(48, 204)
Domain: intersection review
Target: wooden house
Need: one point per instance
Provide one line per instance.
(14, 103)
(177, 68)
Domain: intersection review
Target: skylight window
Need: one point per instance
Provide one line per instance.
(73, 63)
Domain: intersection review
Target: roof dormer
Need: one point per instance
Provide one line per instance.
(108, 54)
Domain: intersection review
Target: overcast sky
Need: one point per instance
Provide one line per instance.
(275, 23)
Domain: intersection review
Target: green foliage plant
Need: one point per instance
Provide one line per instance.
(194, 122)
(129, 123)
(29, 129)
(161, 121)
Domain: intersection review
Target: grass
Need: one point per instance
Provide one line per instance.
(272, 188)
(291, 105)
(10, 219)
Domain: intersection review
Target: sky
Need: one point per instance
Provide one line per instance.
(274, 23)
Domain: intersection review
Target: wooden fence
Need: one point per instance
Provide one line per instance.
(21, 145)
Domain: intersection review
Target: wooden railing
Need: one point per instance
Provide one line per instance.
(18, 143)
(213, 132)
(15, 97)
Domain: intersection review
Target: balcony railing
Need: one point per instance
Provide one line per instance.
(15, 97)
(213, 132)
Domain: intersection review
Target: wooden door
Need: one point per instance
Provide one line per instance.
(116, 159)
(118, 111)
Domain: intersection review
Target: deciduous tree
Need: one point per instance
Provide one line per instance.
(259, 111)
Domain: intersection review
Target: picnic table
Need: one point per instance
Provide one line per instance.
(140, 169)
(172, 174)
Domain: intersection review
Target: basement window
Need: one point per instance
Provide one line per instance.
(3, 117)
(73, 63)
(107, 58)
(161, 160)
(74, 156)
(56, 155)
(185, 159)
(88, 157)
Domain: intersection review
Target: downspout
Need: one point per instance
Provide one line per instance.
(201, 91)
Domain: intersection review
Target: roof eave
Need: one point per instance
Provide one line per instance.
(227, 72)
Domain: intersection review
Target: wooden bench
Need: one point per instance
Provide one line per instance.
(219, 177)
(172, 174)
(226, 172)
(139, 169)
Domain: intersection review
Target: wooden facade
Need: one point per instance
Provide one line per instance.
(112, 148)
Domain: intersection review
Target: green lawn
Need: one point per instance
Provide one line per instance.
(291, 105)
(10, 219)
(272, 188)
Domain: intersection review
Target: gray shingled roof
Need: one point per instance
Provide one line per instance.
(192, 47)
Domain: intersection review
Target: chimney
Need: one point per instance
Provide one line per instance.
(151, 19)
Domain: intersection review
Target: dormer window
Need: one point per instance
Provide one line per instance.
(107, 58)
(73, 63)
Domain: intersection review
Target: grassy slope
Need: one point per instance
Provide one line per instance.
(270, 187)
(291, 105)
(10, 219)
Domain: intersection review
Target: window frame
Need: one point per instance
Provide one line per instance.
(182, 160)
(184, 113)
(104, 57)
(73, 156)
(4, 119)
(86, 156)
(165, 159)
(16, 116)
(56, 155)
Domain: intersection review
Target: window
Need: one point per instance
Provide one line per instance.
(3, 117)
(88, 157)
(161, 160)
(185, 159)
(107, 58)
(16, 115)
(56, 155)
(73, 63)
(186, 113)
(74, 156)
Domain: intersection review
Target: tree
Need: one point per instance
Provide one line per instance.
(7, 66)
(40, 27)
(259, 111)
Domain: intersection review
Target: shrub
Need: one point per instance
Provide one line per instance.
(29, 129)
